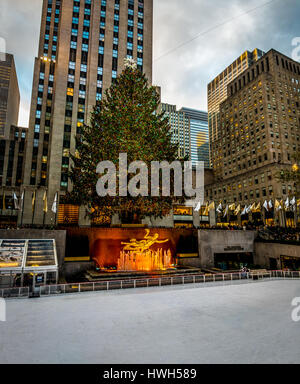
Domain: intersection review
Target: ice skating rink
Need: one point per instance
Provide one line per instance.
(237, 323)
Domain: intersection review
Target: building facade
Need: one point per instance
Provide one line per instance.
(12, 166)
(260, 132)
(217, 90)
(12, 157)
(82, 49)
(180, 126)
(199, 135)
(9, 96)
(12, 142)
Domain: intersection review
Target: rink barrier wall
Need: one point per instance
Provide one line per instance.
(109, 285)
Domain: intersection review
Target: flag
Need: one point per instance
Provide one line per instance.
(54, 205)
(287, 203)
(238, 210)
(33, 201)
(16, 202)
(248, 209)
(258, 207)
(244, 211)
(212, 206)
(232, 207)
(220, 208)
(45, 208)
(206, 211)
(270, 204)
(293, 201)
(226, 210)
(298, 203)
(197, 209)
(266, 206)
(252, 208)
(278, 206)
(22, 201)
(3, 202)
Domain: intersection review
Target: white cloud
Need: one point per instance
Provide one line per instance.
(185, 73)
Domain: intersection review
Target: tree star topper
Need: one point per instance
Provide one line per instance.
(130, 63)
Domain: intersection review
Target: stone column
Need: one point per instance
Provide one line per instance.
(239, 219)
(196, 219)
(296, 216)
(212, 218)
(282, 220)
(263, 215)
(115, 220)
(84, 220)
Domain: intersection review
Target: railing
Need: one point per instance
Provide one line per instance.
(109, 285)
(15, 292)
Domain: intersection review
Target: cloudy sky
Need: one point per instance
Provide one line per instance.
(225, 28)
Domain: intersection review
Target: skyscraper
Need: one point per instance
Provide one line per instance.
(12, 158)
(217, 91)
(82, 49)
(9, 96)
(12, 141)
(199, 135)
(260, 132)
(180, 126)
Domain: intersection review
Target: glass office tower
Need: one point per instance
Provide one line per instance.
(199, 135)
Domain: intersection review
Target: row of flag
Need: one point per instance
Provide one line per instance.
(19, 203)
(45, 202)
(255, 207)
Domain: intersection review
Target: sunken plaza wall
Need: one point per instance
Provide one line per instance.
(104, 245)
(195, 248)
(265, 252)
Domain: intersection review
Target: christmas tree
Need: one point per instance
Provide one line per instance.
(127, 121)
(292, 175)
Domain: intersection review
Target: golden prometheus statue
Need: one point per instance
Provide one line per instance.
(143, 245)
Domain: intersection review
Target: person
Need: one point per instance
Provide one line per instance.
(243, 273)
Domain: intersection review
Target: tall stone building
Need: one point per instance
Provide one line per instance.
(259, 132)
(217, 90)
(180, 126)
(12, 158)
(12, 141)
(82, 49)
(9, 96)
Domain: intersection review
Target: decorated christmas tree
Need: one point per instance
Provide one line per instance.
(292, 175)
(127, 121)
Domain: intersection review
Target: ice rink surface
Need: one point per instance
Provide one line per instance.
(239, 323)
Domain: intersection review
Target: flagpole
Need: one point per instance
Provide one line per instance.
(33, 209)
(284, 216)
(3, 201)
(57, 207)
(201, 216)
(22, 214)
